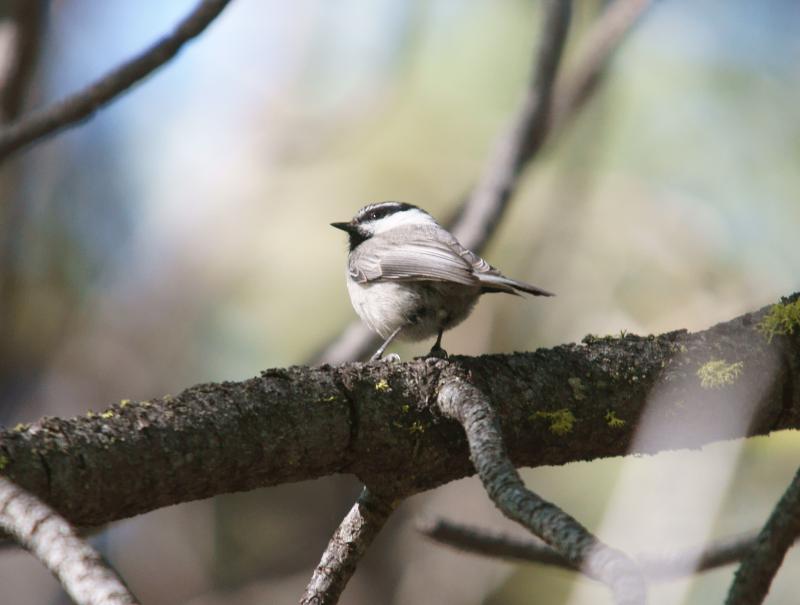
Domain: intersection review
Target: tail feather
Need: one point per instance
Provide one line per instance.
(501, 283)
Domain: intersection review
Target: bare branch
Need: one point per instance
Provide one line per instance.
(655, 567)
(380, 422)
(29, 19)
(460, 400)
(79, 568)
(478, 215)
(346, 547)
(717, 554)
(492, 544)
(755, 574)
(594, 55)
(83, 104)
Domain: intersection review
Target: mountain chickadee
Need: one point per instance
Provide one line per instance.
(409, 277)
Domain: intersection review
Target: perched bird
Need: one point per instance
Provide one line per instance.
(409, 277)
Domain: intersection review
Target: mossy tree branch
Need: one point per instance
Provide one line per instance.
(381, 423)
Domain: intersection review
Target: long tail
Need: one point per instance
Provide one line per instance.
(501, 283)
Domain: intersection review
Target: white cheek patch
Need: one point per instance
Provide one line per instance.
(400, 219)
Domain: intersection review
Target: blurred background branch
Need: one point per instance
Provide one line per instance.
(81, 105)
(656, 566)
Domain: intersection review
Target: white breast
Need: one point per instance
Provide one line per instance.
(383, 306)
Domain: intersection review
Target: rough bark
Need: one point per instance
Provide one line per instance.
(345, 549)
(380, 421)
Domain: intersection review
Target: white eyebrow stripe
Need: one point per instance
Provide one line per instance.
(415, 216)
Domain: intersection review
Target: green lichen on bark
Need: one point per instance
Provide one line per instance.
(718, 373)
(614, 421)
(781, 320)
(561, 421)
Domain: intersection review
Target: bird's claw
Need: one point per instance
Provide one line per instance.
(437, 352)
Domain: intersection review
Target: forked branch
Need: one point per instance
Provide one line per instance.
(460, 400)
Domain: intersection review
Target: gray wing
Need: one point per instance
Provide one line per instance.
(412, 254)
(429, 253)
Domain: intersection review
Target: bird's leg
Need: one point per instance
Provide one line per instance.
(377, 355)
(437, 350)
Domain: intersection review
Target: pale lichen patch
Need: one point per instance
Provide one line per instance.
(718, 373)
(781, 320)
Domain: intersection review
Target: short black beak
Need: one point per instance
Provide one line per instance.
(349, 226)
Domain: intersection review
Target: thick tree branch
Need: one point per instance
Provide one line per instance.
(654, 566)
(380, 421)
(758, 568)
(346, 547)
(478, 216)
(81, 571)
(461, 401)
(83, 104)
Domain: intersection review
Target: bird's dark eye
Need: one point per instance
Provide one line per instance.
(373, 215)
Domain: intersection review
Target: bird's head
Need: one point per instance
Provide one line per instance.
(381, 217)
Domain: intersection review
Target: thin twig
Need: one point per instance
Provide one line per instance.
(83, 104)
(29, 19)
(758, 568)
(345, 549)
(463, 402)
(536, 115)
(79, 568)
(656, 567)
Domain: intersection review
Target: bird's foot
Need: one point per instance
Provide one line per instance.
(437, 352)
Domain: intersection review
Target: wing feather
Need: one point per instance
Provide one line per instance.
(410, 255)
(428, 253)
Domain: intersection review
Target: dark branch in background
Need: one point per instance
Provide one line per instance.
(29, 20)
(81, 571)
(655, 567)
(471, 408)
(80, 106)
(346, 547)
(758, 568)
(380, 422)
(489, 200)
